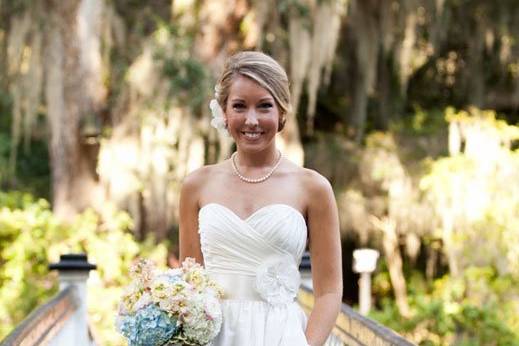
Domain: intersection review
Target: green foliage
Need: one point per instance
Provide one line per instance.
(4, 157)
(420, 122)
(300, 8)
(446, 314)
(32, 166)
(188, 78)
(31, 237)
(474, 199)
(5, 128)
(475, 194)
(15, 6)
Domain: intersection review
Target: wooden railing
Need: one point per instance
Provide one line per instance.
(353, 329)
(61, 321)
(44, 322)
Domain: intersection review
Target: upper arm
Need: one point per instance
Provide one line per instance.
(325, 240)
(189, 239)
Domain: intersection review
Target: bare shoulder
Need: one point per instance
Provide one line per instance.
(199, 176)
(315, 180)
(313, 187)
(321, 207)
(195, 181)
(316, 186)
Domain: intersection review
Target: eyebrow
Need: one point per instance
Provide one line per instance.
(267, 98)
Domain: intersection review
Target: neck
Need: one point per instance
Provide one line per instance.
(267, 157)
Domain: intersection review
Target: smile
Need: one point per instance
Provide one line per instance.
(251, 135)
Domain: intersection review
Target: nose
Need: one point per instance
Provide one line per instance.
(250, 118)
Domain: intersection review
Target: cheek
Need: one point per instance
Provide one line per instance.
(278, 119)
(270, 120)
(233, 121)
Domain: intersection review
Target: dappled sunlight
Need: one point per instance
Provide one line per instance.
(118, 167)
(471, 193)
(408, 108)
(142, 74)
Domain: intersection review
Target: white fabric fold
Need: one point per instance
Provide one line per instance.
(234, 249)
(255, 323)
(236, 286)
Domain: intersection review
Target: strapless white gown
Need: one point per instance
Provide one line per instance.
(255, 260)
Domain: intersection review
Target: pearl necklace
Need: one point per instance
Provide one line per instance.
(257, 180)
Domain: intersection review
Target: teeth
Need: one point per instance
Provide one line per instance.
(252, 135)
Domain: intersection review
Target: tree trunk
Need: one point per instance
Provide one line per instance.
(71, 94)
(475, 73)
(360, 107)
(449, 245)
(4, 29)
(394, 262)
(432, 261)
(383, 116)
(367, 38)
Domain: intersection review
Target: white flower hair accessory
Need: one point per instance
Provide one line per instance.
(218, 120)
(278, 280)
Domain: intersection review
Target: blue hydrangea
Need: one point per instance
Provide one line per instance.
(149, 326)
(171, 276)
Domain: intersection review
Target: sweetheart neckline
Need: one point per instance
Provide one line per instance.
(256, 211)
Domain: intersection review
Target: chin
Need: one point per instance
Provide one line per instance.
(259, 140)
(251, 144)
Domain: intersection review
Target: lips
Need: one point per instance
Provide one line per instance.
(252, 134)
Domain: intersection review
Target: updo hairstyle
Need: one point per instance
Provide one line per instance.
(262, 69)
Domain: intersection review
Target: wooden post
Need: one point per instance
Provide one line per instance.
(73, 271)
(365, 262)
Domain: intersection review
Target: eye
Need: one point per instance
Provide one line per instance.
(238, 106)
(266, 105)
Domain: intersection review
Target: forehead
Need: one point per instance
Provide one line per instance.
(245, 87)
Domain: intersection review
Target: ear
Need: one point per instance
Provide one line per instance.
(281, 122)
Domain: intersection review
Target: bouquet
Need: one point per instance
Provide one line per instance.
(175, 306)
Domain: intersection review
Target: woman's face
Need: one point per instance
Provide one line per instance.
(252, 115)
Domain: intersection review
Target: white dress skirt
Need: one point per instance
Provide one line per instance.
(256, 262)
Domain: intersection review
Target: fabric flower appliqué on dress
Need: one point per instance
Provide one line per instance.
(218, 121)
(278, 280)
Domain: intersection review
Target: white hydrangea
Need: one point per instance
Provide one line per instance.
(143, 301)
(131, 295)
(174, 298)
(204, 319)
(182, 302)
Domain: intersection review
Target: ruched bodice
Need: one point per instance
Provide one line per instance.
(231, 244)
(256, 261)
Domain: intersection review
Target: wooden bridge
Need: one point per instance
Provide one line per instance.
(353, 329)
(62, 321)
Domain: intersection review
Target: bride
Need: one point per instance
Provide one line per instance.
(249, 218)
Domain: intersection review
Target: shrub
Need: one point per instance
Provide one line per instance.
(31, 237)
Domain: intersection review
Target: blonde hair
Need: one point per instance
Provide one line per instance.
(262, 69)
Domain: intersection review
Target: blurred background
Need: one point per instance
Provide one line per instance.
(409, 107)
